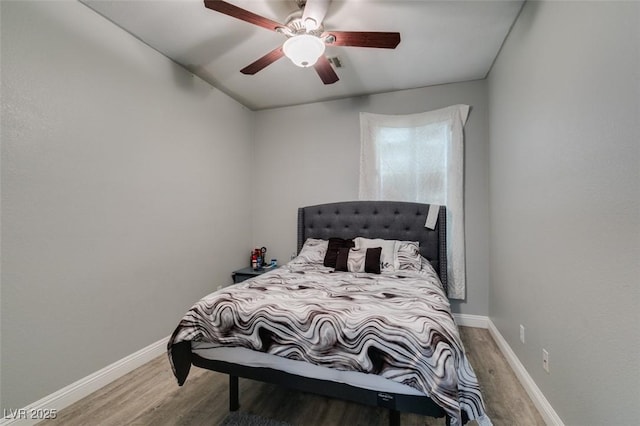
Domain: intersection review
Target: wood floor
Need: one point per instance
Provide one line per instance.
(149, 395)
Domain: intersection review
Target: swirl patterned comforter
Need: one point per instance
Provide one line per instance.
(396, 325)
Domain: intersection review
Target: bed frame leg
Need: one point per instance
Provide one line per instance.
(394, 418)
(234, 400)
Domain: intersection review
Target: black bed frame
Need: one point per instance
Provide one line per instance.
(371, 219)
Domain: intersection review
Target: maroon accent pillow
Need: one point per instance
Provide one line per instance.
(372, 260)
(332, 250)
(342, 258)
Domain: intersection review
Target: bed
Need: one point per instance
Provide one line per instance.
(379, 337)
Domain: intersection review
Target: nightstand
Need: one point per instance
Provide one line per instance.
(246, 273)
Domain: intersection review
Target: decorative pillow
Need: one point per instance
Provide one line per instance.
(387, 258)
(359, 260)
(372, 260)
(332, 250)
(313, 252)
(342, 259)
(408, 256)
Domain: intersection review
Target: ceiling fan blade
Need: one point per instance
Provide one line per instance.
(325, 71)
(263, 62)
(242, 14)
(381, 40)
(315, 10)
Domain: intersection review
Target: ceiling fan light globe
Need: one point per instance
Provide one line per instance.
(304, 49)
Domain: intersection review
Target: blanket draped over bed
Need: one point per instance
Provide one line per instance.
(396, 324)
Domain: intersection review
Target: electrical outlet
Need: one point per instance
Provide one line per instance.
(545, 360)
(522, 333)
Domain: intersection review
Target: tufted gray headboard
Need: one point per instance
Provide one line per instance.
(390, 220)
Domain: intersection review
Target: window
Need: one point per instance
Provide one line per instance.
(401, 154)
(419, 158)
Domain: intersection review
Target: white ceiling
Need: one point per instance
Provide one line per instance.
(442, 42)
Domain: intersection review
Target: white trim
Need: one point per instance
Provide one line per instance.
(542, 404)
(87, 385)
(537, 397)
(466, 320)
(84, 387)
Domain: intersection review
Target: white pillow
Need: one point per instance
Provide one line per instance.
(408, 256)
(387, 257)
(312, 252)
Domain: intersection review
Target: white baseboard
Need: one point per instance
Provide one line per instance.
(476, 321)
(84, 387)
(546, 410)
(76, 391)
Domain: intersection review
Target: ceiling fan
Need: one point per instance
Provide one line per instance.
(306, 37)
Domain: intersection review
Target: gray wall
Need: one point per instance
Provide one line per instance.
(117, 207)
(310, 154)
(565, 192)
(118, 210)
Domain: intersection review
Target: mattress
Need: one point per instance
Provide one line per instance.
(253, 358)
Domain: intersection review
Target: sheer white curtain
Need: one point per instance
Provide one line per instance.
(419, 158)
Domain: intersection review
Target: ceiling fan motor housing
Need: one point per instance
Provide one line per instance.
(296, 25)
